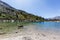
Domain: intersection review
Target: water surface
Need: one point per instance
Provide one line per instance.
(48, 26)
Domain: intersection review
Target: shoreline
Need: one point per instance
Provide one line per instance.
(30, 34)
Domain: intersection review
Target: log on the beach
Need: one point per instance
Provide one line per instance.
(20, 26)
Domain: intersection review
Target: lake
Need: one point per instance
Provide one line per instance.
(48, 26)
(44, 26)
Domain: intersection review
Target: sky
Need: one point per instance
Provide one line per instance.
(44, 8)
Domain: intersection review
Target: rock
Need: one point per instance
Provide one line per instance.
(16, 32)
(43, 35)
(54, 37)
(27, 38)
(20, 26)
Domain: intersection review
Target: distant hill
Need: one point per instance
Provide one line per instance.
(8, 12)
(57, 18)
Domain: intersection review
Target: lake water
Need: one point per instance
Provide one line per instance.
(48, 26)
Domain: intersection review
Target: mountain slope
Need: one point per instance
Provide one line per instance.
(8, 12)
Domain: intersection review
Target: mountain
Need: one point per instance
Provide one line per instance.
(8, 12)
(57, 18)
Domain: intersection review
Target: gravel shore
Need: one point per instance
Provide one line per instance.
(30, 34)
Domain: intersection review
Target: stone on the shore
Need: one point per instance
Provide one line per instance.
(20, 26)
(27, 38)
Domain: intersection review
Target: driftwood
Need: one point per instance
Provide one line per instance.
(20, 26)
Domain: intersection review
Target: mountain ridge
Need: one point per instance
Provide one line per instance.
(56, 18)
(8, 12)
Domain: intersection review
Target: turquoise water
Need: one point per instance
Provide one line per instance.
(48, 26)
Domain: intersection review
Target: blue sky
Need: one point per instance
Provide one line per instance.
(44, 8)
